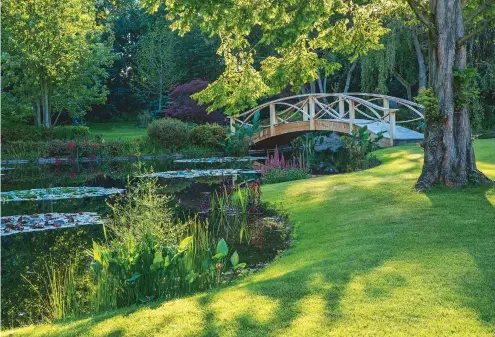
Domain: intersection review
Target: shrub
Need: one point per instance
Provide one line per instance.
(58, 148)
(144, 118)
(183, 107)
(19, 132)
(170, 133)
(209, 135)
(69, 132)
(358, 147)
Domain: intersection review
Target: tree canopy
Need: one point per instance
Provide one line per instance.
(298, 33)
(55, 53)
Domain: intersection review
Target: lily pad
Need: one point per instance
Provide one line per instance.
(39, 222)
(188, 174)
(57, 193)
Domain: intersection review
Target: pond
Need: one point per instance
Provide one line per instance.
(52, 213)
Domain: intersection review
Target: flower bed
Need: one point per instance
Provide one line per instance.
(40, 222)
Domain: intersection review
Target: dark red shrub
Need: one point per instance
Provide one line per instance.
(182, 106)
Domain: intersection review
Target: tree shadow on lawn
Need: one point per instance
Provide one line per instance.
(322, 264)
(472, 227)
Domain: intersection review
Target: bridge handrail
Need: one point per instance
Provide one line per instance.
(346, 96)
(320, 95)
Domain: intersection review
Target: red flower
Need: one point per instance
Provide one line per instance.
(71, 146)
(57, 161)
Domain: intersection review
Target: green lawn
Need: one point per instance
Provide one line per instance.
(117, 130)
(370, 257)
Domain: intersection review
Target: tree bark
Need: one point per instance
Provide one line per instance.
(421, 61)
(349, 77)
(320, 85)
(45, 103)
(405, 84)
(37, 112)
(449, 155)
(312, 87)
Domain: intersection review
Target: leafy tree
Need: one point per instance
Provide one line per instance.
(128, 22)
(156, 63)
(183, 107)
(481, 53)
(298, 33)
(449, 154)
(401, 59)
(55, 55)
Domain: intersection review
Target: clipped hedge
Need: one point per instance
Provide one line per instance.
(19, 132)
(208, 135)
(169, 133)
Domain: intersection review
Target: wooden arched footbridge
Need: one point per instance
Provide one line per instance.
(296, 115)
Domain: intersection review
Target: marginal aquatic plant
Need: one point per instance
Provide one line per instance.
(277, 169)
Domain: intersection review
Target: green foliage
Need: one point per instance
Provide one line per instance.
(275, 175)
(63, 299)
(237, 143)
(69, 132)
(170, 133)
(22, 132)
(429, 100)
(397, 57)
(229, 211)
(14, 110)
(358, 146)
(149, 255)
(297, 40)
(209, 135)
(156, 69)
(27, 275)
(54, 54)
(466, 89)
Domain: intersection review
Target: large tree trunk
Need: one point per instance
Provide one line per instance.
(449, 155)
(421, 61)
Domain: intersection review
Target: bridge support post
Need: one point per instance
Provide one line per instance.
(311, 113)
(352, 117)
(232, 127)
(273, 119)
(391, 131)
(386, 105)
(305, 109)
(341, 107)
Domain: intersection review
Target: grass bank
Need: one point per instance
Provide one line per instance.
(117, 130)
(370, 257)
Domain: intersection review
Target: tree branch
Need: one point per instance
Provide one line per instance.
(475, 32)
(480, 9)
(422, 16)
